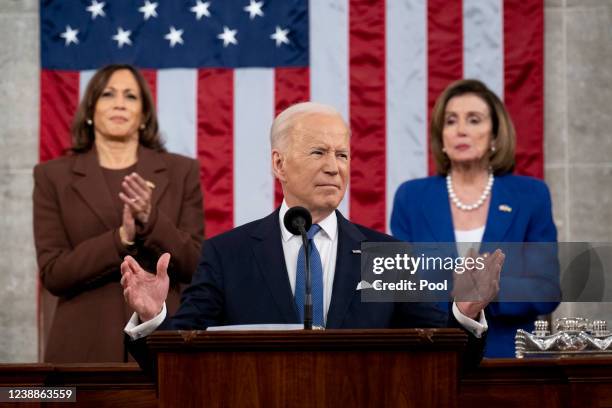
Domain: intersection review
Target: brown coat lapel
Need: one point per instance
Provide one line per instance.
(92, 188)
(152, 168)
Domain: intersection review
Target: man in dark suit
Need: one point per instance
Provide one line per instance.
(249, 275)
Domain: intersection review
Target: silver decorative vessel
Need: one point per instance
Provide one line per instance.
(572, 336)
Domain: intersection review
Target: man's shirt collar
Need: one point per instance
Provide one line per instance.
(329, 225)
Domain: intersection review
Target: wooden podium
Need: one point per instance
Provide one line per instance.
(318, 368)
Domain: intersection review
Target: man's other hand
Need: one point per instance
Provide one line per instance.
(145, 292)
(474, 289)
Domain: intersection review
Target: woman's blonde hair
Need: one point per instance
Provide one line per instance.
(502, 159)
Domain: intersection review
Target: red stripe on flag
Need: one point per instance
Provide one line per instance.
(291, 85)
(444, 51)
(59, 97)
(524, 81)
(150, 75)
(216, 147)
(367, 111)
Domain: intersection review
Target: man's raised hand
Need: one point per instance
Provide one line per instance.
(474, 289)
(143, 291)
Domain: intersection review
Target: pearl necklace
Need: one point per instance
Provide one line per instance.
(468, 207)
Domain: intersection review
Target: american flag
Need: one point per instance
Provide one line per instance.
(221, 69)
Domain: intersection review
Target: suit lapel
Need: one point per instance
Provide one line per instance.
(268, 251)
(502, 211)
(151, 167)
(436, 209)
(348, 271)
(92, 188)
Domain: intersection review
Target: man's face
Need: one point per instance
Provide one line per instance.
(314, 164)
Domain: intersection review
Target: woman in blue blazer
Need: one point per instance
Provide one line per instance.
(475, 198)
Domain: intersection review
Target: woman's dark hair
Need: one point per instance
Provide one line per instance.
(83, 133)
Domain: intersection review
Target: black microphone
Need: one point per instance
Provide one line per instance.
(297, 217)
(298, 220)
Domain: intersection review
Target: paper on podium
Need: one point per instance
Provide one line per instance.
(240, 327)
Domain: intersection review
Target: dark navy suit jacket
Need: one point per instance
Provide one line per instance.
(421, 213)
(242, 279)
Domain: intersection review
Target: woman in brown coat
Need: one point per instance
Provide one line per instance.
(118, 193)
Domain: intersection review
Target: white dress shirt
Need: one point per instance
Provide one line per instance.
(468, 239)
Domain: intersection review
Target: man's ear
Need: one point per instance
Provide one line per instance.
(278, 165)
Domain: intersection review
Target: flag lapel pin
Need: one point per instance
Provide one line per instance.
(505, 208)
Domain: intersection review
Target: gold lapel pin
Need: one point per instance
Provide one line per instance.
(505, 208)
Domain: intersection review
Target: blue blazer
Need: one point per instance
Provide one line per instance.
(421, 213)
(242, 279)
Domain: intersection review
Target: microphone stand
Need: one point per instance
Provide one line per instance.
(308, 284)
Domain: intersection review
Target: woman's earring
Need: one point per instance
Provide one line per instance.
(89, 122)
(142, 126)
(444, 150)
(492, 148)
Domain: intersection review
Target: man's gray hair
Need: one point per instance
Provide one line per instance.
(285, 120)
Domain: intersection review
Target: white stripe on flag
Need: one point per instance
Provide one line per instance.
(406, 55)
(253, 116)
(329, 55)
(483, 42)
(177, 109)
(84, 78)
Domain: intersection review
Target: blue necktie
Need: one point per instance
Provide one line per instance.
(316, 270)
